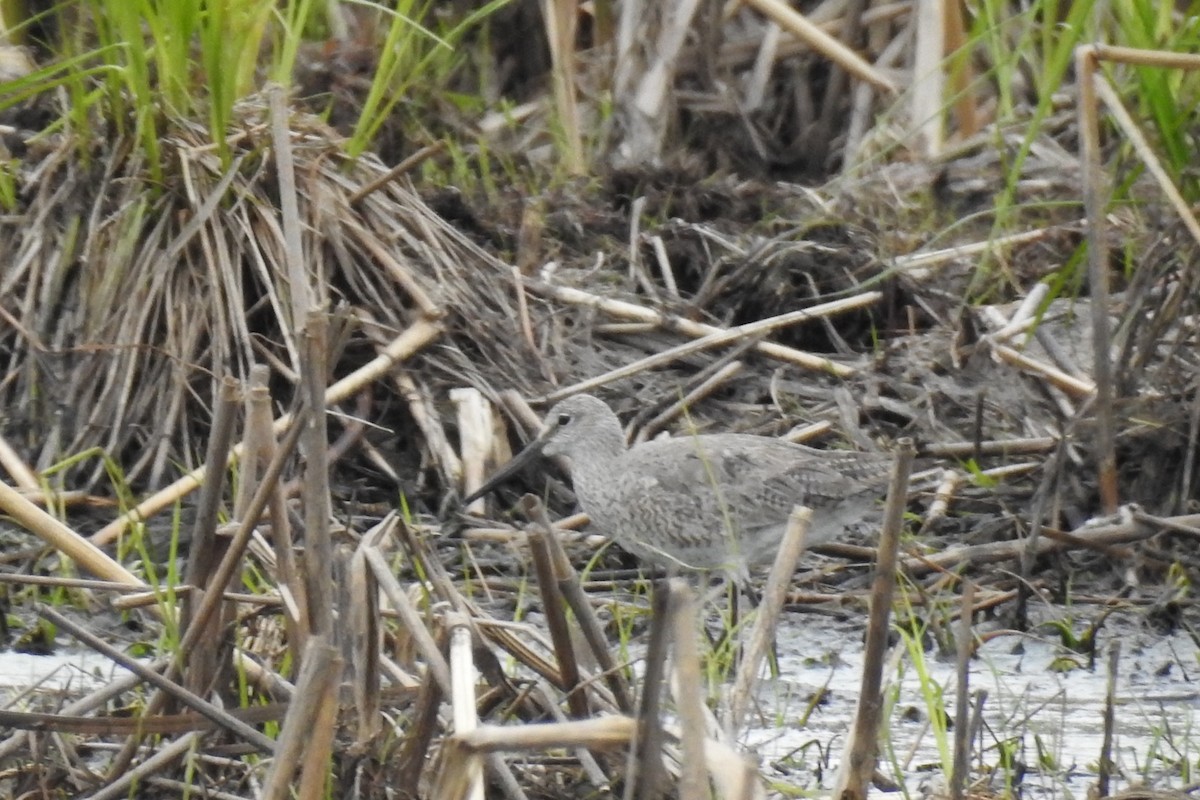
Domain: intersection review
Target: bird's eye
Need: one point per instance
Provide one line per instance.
(564, 419)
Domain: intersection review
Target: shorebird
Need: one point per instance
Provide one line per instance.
(701, 502)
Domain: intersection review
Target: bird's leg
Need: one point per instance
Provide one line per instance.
(722, 640)
(709, 594)
(733, 594)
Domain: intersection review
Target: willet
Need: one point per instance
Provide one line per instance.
(701, 502)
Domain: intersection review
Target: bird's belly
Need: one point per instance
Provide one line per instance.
(714, 545)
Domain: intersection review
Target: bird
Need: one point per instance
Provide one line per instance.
(701, 502)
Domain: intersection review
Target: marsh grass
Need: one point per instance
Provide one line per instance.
(146, 69)
(1024, 54)
(933, 694)
(412, 60)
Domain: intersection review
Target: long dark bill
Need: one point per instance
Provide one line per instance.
(508, 470)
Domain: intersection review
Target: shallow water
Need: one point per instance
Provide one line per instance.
(72, 673)
(1049, 722)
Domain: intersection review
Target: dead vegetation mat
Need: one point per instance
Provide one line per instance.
(125, 302)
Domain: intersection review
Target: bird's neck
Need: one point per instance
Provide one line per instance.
(594, 464)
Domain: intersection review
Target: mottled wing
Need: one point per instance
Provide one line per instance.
(749, 484)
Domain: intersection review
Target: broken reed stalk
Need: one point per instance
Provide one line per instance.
(109, 725)
(410, 163)
(524, 323)
(1110, 703)
(502, 775)
(362, 611)
(556, 618)
(425, 414)
(254, 436)
(318, 751)
(427, 646)
(423, 724)
(506, 639)
(205, 550)
(858, 763)
(201, 556)
(645, 774)
(572, 591)
(290, 582)
(12, 463)
(1192, 448)
(1112, 100)
(491, 740)
(289, 207)
(462, 701)
(774, 596)
(979, 699)
(1090, 83)
(1086, 66)
(1076, 387)
(561, 20)
(799, 26)
(53, 532)
(396, 270)
(425, 714)
(517, 408)
(1060, 375)
(600, 733)
(962, 705)
(128, 597)
(689, 692)
(712, 383)
(1044, 497)
(319, 670)
(199, 704)
(266, 681)
(63, 498)
(946, 489)
(476, 436)
(318, 552)
(1127, 528)
(919, 265)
